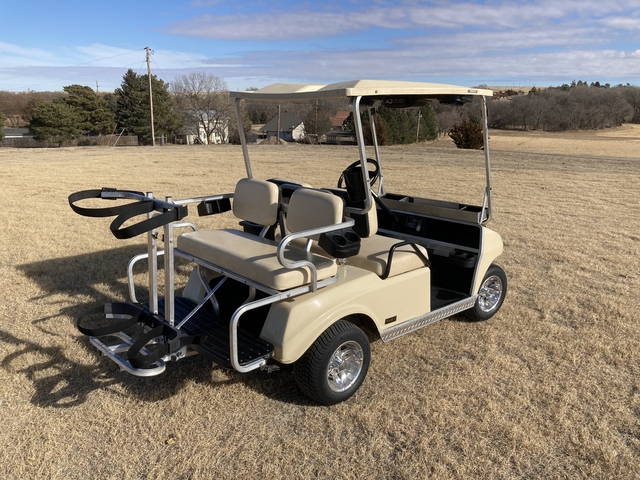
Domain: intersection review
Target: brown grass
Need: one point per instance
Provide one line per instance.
(550, 387)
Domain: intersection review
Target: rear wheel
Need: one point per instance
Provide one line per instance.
(490, 296)
(335, 365)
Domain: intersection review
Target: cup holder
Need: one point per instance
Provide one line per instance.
(340, 243)
(462, 259)
(338, 240)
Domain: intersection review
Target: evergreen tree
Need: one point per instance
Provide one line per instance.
(398, 125)
(2, 122)
(96, 116)
(81, 112)
(402, 124)
(133, 111)
(428, 124)
(381, 128)
(56, 121)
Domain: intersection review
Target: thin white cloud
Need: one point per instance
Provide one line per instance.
(627, 23)
(505, 41)
(536, 39)
(12, 55)
(419, 63)
(310, 24)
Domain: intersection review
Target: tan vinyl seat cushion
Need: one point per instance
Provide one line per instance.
(254, 257)
(374, 252)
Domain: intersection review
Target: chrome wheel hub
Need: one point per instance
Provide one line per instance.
(345, 366)
(490, 294)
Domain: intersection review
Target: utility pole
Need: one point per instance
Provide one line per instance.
(153, 133)
(418, 129)
(278, 143)
(97, 88)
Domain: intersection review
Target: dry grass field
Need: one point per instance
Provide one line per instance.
(548, 388)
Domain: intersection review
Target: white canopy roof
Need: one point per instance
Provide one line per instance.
(357, 88)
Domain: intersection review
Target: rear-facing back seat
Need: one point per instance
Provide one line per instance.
(255, 258)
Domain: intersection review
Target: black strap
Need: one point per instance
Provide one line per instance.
(97, 212)
(156, 221)
(117, 325)
(157, 351)
(126, 212)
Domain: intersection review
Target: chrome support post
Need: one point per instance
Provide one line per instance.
(152, 250)
(368, 202)
(243, 140)
(381, 190)
(169, 302)
(485, 131)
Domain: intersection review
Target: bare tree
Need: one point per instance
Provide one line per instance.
(317, 120)
(632, 96)
(205, 104)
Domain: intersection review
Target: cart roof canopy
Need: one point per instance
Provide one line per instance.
(375, 89)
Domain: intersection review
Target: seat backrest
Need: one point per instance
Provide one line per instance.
(256, 201)
(366, 223)
(310, 208)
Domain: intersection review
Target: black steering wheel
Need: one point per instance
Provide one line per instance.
(355, 167)
(356, 193)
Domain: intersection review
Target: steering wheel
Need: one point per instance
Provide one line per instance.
(373, 174)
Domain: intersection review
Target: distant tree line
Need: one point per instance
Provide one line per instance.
(199, 101)
(575, 106)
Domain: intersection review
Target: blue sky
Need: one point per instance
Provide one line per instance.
(45, 45)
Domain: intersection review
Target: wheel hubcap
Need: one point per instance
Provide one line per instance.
(490, 294)
(345, 366)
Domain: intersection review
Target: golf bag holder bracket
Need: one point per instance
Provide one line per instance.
(147, 354)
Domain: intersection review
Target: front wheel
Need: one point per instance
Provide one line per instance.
(490, 296)
(335, 365)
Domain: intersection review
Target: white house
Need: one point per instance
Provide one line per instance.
(194, 136)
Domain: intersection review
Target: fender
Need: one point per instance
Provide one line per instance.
(491, 249)
(293, 325)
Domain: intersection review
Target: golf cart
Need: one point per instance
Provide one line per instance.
(309, 269)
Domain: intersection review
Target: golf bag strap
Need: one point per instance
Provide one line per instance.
(97, 212)
(159, 350)
(118, 324)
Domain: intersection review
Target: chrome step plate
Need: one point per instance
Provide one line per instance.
(427, 319)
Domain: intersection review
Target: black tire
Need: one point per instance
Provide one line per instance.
(320, 377)
(490, 296)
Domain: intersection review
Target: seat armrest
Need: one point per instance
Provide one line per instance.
(304, 234)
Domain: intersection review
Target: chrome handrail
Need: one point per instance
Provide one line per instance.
(304, 234)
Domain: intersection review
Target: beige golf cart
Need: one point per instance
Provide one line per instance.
(310, 268)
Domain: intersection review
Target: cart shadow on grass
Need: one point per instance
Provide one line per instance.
(63, 382)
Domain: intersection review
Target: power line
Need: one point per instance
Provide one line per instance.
(92, 72)
(78, 65)
(158, 67)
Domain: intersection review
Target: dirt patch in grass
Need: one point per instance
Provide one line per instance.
(550, 387)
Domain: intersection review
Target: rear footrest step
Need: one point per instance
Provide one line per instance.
(216, 330)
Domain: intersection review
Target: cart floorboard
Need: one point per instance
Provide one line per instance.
(217, 345)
